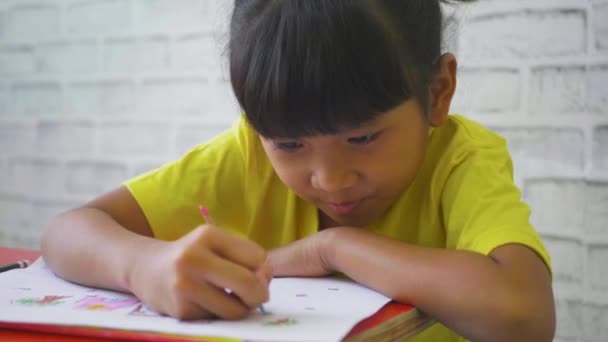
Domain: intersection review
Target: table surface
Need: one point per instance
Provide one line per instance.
(10, 255)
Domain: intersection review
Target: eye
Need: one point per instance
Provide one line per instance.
(364, 139)
(288, 146)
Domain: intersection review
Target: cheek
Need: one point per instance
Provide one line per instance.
(401, 163)
(292, 174)
(287, 169)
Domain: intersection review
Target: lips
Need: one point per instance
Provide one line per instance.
(343, 208)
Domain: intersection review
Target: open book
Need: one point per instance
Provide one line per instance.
(300, 309)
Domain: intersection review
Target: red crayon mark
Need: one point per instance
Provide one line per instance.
(50, 299)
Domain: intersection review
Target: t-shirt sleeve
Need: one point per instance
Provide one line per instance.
(210, 174)
(482, 207)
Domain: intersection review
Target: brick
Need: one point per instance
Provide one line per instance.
(4, 100)
(2, 23)
(557, 90)
(173, 15)
(597, 259)
(15, 213)
(600, 150)
(568, 318)
(129, 54)
(135, 139)
(596, 213)
(567, 259)
(546, 150)
(189, 136)
(5, 184)
(172, 96)
(36, 177)
(141, 168)
(597, 78)
(504, 36)
(17, 60)
(95, 17)
(196, 52)
(35, 98)
(94, 178)
(113, 97)
(20, 240)
(15, 223)
(57, 137)
(595, 322)
(558, 206)
(16, 138)
(25, 22)
(451, 29)
(487, 91)
(68, 57)
(600, 16)
(46, 211)
(221, 105)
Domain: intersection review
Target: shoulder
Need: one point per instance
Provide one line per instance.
(235, 147)
(462, 142)
(223, 157)
(215, 173)
(462, 133)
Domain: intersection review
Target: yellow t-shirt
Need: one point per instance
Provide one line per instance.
(462, 198)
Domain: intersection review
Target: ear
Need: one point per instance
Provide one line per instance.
(443, 86)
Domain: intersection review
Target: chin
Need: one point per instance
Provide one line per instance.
(353, 221)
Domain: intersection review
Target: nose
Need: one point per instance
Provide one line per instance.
(333, 177)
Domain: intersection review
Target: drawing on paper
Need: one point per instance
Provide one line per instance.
(45, 301)
(333, 289)
(105, 303)
(281, 322)
(301, 295)
(144, 311)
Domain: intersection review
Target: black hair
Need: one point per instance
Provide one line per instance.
(306, 67)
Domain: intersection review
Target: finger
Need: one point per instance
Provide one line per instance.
(237, 249)
(226, 274)
(189, 311)
(215, 301)
(264, 273)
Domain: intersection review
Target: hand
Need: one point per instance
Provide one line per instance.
(187, 278)
(305, 257)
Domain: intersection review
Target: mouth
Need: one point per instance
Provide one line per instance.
(343, 208)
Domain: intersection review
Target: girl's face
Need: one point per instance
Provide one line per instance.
(354, 176)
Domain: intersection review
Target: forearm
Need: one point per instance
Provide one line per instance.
(466, 291)
(88, 247)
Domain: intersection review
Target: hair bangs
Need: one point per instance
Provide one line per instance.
(314, 67)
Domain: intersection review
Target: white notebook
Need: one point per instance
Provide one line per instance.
(300, 309)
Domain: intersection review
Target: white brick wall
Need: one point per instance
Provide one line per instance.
(80, 80)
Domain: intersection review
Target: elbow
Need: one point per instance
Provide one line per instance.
(529, 321)
(530, 327)
(48, 234)
(52, 232)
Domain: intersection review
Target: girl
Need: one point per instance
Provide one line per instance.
(345, 160)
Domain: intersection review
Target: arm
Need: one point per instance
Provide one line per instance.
(108, 243)
(99, 241)
(506, 296)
